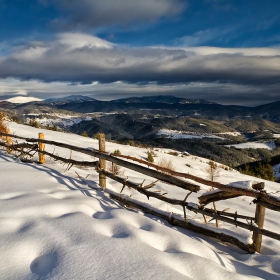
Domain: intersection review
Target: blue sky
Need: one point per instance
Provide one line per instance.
(223, 51)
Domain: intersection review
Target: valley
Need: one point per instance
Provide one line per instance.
(231, 135)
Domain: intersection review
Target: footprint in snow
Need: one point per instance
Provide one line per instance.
(102, 215)
(44, 264)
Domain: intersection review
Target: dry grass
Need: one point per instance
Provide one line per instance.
(3, 127)
(115, 169)
(163, 162)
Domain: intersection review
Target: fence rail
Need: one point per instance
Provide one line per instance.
(255, 224)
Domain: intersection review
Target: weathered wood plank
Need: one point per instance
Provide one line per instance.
(102, 162)
(71, 161)
(41, 148)
(212, 197)
(259, 220)
(141, 169)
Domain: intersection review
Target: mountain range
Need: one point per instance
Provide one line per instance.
(150, 105)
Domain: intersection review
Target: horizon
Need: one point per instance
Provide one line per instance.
(223, 51)
(23, 100)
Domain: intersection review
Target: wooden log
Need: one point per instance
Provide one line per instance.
(269, 200)
(41, 148)
(258, 186)
(205, 211)
(102, 162)
(12, 135)
(273, 201)
(141, 169)
(21, 146)
(140, 189)
(71, 161)
(143, 190)
(259, 220)
(226, 214)
(266, 205)
(212, 197)
(201, 229)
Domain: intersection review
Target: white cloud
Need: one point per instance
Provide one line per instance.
(79, 40)
(23, 99)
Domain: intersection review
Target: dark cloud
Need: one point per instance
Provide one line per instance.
(83, 59)
(87, 62)
(95, 13)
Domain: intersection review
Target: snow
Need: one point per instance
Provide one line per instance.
(247, 185)
(55, 225)
(174, 134)
(276, 135)
(230, 133)
(269, 145)
(62, 121)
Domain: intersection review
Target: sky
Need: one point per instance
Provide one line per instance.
(226, 51)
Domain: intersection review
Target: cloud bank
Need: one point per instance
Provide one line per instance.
(81, 59)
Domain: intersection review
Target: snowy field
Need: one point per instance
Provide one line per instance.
(269, 145)
(62, 121)
(174, 134)
(55, 226)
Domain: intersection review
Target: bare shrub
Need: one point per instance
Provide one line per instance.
(114, 169)
(131, 143)
(212, 171)
(163, 162)
(3, 127)
(33, 123)
(116, 153)
(172, 153)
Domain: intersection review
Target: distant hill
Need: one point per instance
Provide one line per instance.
(71, 98)
(169, 99)
(152, 106)
(7, 105)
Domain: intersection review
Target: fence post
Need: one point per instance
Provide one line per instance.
(41, 148)
(259, 220)
(102, 162)
(8, 139)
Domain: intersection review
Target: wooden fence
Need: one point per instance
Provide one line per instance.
(255, 224)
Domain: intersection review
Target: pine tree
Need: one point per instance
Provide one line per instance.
(150, 157)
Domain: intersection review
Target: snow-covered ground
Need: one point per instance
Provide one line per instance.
(235, 133)
(62, 121)
(269, 145)
(174, 134)
(54, 226)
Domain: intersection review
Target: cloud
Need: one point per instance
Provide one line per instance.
(96, 13)
(22, 99)
(203, 37)
(74, 57)
(221, 93)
